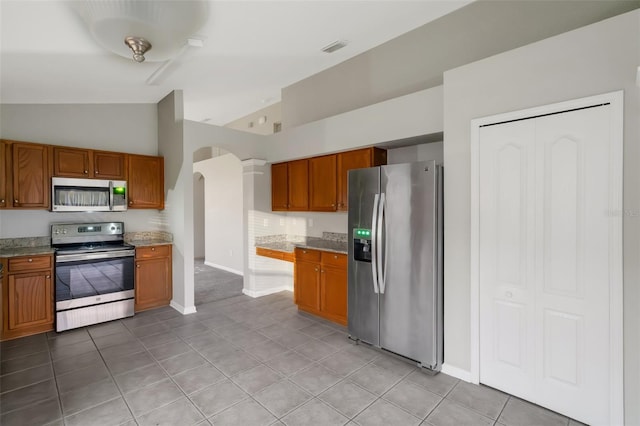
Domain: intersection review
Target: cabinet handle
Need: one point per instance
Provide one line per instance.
(138, 265)
(16, 202)
(130, 203)
(2, 201)
(96, 172)
(30, 260)
(153, 249)
(316, 269)
(335, 256)
(48, 276)
(333, 205)
(322, 271)
(86, 172)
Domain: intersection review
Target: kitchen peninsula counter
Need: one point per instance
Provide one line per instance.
(331, 242)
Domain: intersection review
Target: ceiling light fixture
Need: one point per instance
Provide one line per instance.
(336, 45)
(138, 46)
(167, 24)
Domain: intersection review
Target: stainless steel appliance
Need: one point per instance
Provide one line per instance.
(94, 275)
(395, 260)
(88, 195)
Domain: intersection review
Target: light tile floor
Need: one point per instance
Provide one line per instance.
(238, 361)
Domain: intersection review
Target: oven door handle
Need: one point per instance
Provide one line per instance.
(63, 258)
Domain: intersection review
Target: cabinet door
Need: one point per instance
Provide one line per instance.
(109, 165)
(153, 283)
(322, 183)
(30, 175)
(71, 162)
(298, 184)
(307, 286)
(333, 293)
(3, 173)
(279, 189)
(357, 159)
(30, 300)
(146, 182)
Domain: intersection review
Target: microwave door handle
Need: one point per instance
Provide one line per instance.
(110, 195)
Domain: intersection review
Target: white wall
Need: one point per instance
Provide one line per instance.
(251, 123)
(416, 60)
(222, 212)
(130, 128)
(422, 152)
(198, 216)
(600, 58)
(178, 189)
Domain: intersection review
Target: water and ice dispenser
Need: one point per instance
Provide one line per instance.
(362, 244)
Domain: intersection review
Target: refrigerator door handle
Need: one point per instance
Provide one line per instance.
(382, 264)
(374, 245)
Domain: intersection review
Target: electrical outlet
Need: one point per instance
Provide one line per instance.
(281, 221)
(265, 222)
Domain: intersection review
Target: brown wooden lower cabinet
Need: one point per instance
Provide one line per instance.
(320, 284)
(153, 282)
(27, 296)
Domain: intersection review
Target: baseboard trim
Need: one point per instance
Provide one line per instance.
(224, 268)
(456, 372)
(259, 293)
(182, 309)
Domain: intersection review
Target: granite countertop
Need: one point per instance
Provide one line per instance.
(316, 243)
(25, 251)
(150, 238)
(30, 246)
(145, 243)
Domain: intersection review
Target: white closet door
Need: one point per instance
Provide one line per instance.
(544, 264)
(572, 263)
(507, 288)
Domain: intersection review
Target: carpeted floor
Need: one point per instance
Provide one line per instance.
(213, 284)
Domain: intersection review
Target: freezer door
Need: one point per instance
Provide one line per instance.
(363, 309)
(409, 299)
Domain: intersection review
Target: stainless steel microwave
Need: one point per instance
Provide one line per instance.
(88, 195)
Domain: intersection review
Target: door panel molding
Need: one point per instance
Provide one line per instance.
(614, 166)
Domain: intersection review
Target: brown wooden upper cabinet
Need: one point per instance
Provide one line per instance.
(279, 187)
(86, 163)
(30, 175)
(146, 182)
(290, 186)
(322, 183)
(319, 183)
(4, 147)
(358, 159)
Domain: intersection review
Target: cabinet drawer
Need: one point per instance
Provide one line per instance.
(338, 260)
(153, 251)
(307, 255)
(29, 263)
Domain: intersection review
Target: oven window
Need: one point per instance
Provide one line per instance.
(85, 278)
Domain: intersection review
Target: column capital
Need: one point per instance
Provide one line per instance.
(253, 166)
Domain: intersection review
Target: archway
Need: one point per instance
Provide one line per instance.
(217, 198)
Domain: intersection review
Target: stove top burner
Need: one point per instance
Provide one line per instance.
(93, 247)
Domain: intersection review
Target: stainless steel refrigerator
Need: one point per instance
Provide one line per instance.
(395, 289)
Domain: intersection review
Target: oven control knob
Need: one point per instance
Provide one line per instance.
(64, 231)
(113, 228)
